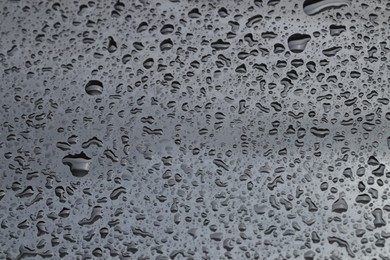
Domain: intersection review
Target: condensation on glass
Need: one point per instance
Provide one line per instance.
(194, 129)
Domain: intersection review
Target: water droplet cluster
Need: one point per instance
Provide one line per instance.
(194, 129)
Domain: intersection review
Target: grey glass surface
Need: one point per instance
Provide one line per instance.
(194, 129)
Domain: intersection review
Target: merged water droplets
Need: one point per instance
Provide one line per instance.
(312, 7)
(79, 164)
(297, 42)
(220, 45)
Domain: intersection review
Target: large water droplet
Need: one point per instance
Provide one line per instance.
(94, 87)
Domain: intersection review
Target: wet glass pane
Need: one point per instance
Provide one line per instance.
(201, 129)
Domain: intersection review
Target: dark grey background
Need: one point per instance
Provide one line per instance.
(194, 129)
